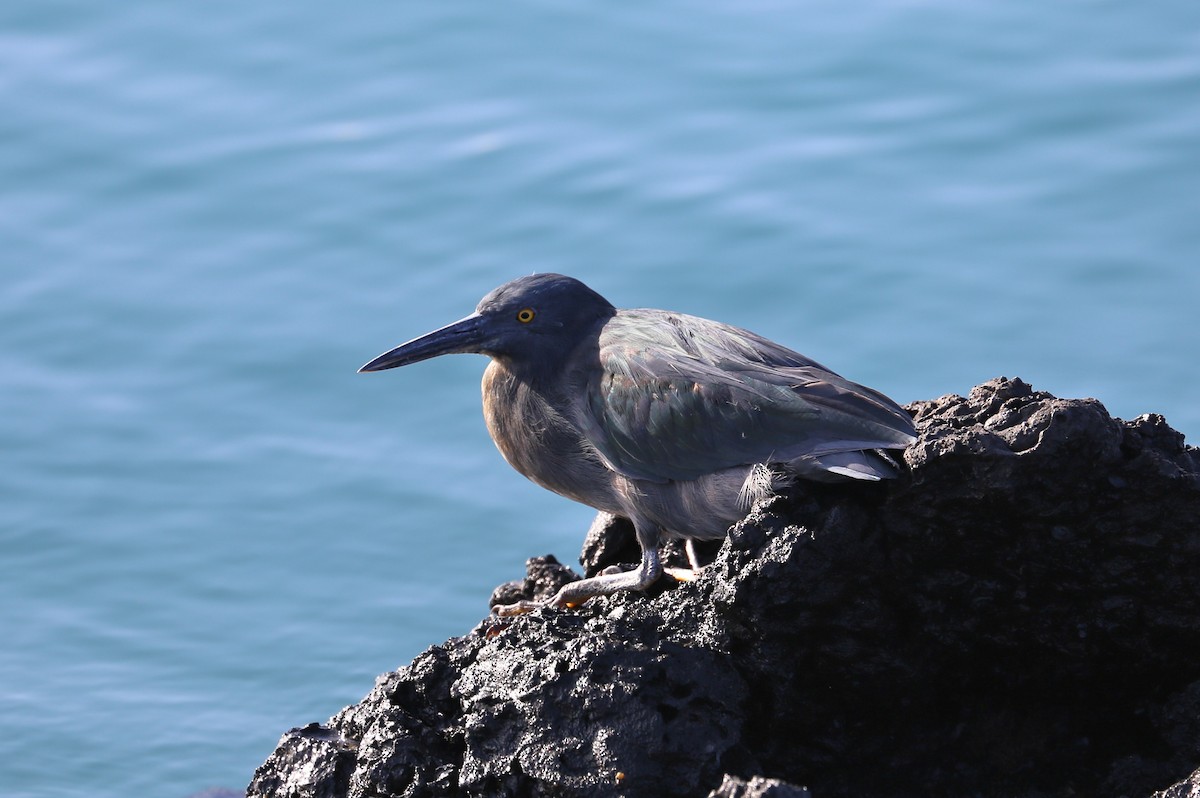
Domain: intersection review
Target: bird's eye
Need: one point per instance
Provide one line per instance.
(525, 315)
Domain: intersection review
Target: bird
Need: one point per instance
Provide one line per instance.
(675, 422)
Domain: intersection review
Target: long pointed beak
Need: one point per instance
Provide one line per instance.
(464, 335)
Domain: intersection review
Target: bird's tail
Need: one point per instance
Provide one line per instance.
(871, 465)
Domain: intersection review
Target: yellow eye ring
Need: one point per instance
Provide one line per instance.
(525, 315)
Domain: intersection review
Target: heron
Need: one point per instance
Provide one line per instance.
(677, 423)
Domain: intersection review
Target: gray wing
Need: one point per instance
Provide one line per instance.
(677, 397)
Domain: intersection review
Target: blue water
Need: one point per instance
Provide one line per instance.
(212, 529)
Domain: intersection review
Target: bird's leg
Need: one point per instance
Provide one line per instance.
(575, 593)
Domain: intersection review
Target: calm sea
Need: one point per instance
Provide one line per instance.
(212, 529)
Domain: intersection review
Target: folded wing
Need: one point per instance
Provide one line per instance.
(677, 400)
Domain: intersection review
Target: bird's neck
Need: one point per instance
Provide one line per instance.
(536, 435)
(553, 374)
(543, 379)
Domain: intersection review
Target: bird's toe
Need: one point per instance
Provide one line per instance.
(682, 574)
(516, 608)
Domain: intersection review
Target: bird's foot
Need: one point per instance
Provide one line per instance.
(575, 593)
(517, 608)
(687, 574)
(525, 607)
(682, 574)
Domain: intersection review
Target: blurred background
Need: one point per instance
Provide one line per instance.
(212, 529)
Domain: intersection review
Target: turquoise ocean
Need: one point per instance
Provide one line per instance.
(212, 529)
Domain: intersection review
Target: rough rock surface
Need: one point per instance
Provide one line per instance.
(1019, 615)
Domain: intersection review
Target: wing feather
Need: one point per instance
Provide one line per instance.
(677, 397)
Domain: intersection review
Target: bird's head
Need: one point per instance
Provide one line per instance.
(531, 322)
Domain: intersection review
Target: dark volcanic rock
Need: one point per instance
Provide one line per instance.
(543, 577)
(1019, 615)
(757, 787)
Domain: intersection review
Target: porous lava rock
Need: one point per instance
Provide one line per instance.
(1017, 615)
